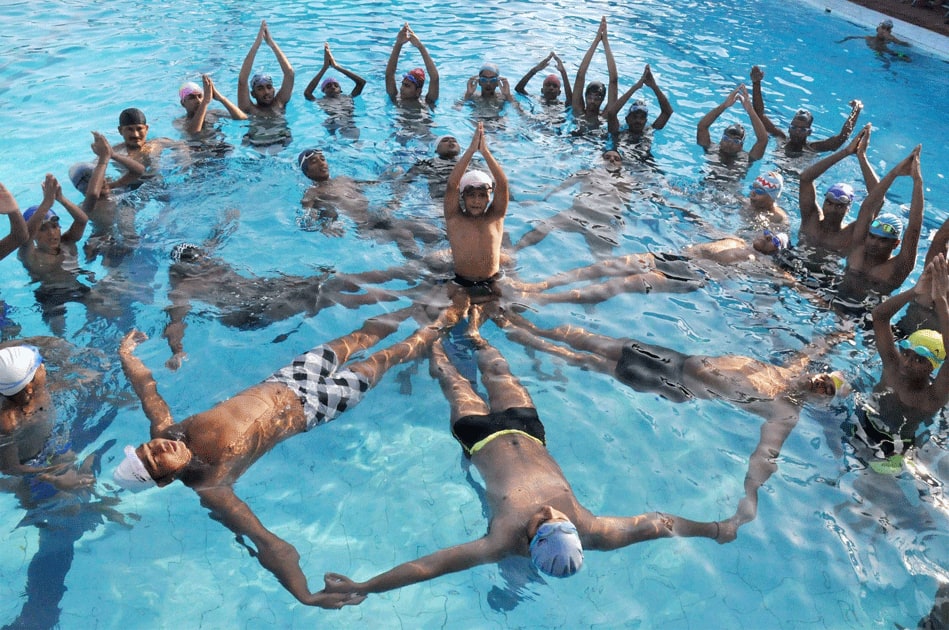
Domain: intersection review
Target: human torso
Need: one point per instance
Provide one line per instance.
(475, 245)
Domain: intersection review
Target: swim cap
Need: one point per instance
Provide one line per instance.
(416, 76)
(17, 367)
(304, 156)
(887, 226)
(131, 474)
(189, 88)
(638, 106)
(842, 388)
(186, 252)
(596, 86)
(132, 116)
(552, 78)
(327, 81)
(79, 174)
(261, 79)
(735, 130)
(926, 343)
(804, 115)
(771, 182)
(840, 193)
(475, 179)
(556, 549)
(887, 24)
(779, 239)
(32, 210)
(489, 67)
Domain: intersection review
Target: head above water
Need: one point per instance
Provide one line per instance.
(928, 344)
(80, 174)
(18, 366)
(888, 226)
(474, 191)
(188, 89)
(132, 116)
(770, 183)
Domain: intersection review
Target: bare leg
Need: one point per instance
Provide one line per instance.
(457, 389)
(504, 390)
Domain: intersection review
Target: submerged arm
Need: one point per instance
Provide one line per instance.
(613, 532)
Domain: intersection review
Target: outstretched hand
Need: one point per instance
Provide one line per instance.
(757, 74)
(339, 591)
(130, 341)
(8, 204)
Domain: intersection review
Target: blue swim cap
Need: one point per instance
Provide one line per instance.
(32, 210)
(887, 226)
(556, 549)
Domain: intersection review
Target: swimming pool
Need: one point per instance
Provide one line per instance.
(386, 483)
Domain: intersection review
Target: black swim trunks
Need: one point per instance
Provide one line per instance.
(480, 288)
(474, 432)
(655, 369)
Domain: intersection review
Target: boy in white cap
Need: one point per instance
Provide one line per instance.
(533, 510)
(210, 450)
(27, 416)
(475, 205)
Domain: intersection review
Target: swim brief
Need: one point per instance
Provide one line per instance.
(325, 390)
(479, 288)
(655, 369)
(475, 432)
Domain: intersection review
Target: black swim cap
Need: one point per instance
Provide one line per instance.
(132, 116)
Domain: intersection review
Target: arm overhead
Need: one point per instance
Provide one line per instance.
(835, 142)
(154, 406)
(757, 100)
(702, 136)
(19, 234)
(243, 77)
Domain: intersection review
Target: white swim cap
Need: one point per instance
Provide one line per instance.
(475, 179)
(556, 549)
(17, 367)
(131, 473)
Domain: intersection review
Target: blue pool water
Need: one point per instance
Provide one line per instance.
(386, 483)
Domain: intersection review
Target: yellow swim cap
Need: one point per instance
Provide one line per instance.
(927, 343)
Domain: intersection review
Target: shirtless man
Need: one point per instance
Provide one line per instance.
(474, 219)
(871, 265)
(776, 393)
(822, 226)
(588, 100)
(409, 92)
(329, 197)
(338, 107)
(914, 385)
(19, 233)
(638, 135)
(553, 84)
(210, 450)
(795, 141)
(267, 102)
(533, 510)
(728, 152)
(881, 39)
(136, 153)
(196, 101)
(267, 110)
(664, 273)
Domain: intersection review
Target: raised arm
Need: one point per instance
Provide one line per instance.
(835, 142)
(286, 86)
(874, 201)
(315, 81)
(665, 107)
(613, 109)
(564, 79)
(19, 233)
(940, 297)
(499, 203)
(154, 406)
(757, 100)
(431, 96)
(613, 532)
(939, 243)
(243, 77)
(578, 103)
(392, 88)
(756, 152)
(79, 218)
(613, 78)
(49, 196)
(103, 151)
(196, 123)
(883, 332)
(358, 81)
(232, 110)
(906, 259)
(521, 87)
(452, 205)
(274, 554)
(702, 136)
(810, 209)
